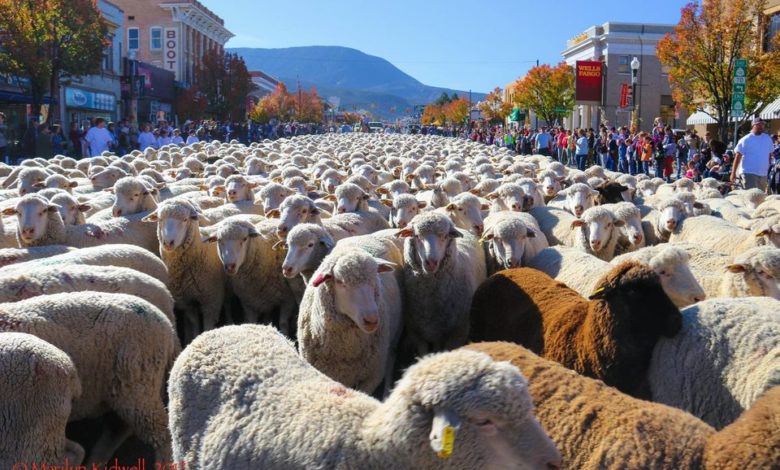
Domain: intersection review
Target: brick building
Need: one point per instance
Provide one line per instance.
(171, 35)
(616, 44)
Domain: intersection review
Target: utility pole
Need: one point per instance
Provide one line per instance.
(299, 97)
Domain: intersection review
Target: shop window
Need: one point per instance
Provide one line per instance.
(772, 28)
(133, 39)
(108, 56)
(155, 42)
(624, 64)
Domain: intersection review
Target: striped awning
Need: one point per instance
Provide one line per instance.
(700, 117)
(772, 111)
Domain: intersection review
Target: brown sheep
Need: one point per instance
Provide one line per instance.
(596, 427)
(610, 336)
(750, 442)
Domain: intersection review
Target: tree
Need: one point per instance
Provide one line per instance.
(47, 40)
(310, 108)
(700, 55)
(191, 103)
(443, 99)
(547, 91)
(494, 108)
(433, 114)
(456, 111)
(225, 81)
(280, 105)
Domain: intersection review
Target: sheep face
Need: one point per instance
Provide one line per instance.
(550, 184)
(511, 197)
(353, 279)
(758, 272)
(71, 211)
(293, 211)
(677, 279)
(669, 217)
(106, 177)
(579, 198)
(349, 198)
(770, 232)
(493, 418)
(132, 197)
(466, 213)
(508, 241)
(32, 217)
(60, 182)
(330, 180)
(431, 237)
(406, 208)
(273, 195)
(394, 189)
(302, 244)
(239, 189)
(31, 180)
(612, 192)
(598, 229)
(233, 241)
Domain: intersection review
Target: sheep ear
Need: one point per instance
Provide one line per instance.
(108, 190)
(84, 207)
(330, 197)
(10, 211)
(52, 207)
(444, 426)
(491, 196)
(278, 179)
(273, 214)
(381, 190)
(281, 244)
(763, 232)
(598, 293)
(421, 204)
(487, 235)
(73, 184)
(475, 192)
(209, 239)
(619, 223)
(327, 243)
(736, 268)
(404, 233)
(314, 211)
(387, 202)
(320, 278)
(578, 223)
(383, 266)
(203, 187)
(484, 207)
(153, 217)
(451, 206)
(594, 192)
(530, 233)
(455, 233)
(39, 185)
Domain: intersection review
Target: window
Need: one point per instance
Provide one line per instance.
(155, 42)
(624, 64)
(108, 55)
(665, 69)
(772, 28)
(133, 39)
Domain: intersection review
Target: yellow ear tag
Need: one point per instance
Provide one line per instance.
(447, 442)
(598, 291)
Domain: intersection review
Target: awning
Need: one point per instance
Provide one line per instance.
(700, 117)
(772, 111)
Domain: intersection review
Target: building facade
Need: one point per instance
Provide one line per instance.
(99, 95)
(266, 84)
(615, 45)
(172, 35)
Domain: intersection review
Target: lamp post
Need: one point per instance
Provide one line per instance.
(634, 102)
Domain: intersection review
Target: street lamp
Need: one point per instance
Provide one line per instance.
(634, 102)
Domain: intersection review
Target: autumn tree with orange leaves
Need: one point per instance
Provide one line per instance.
(494, 108)
(456, 111)
(701, 51)
(46, 40)
(306, 106)
(546, 90)
(433, 114)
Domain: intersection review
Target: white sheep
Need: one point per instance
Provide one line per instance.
(136, 344)
(729, 212)
(196, 278)
(550, 183)
(512, 239)
(631, 234)
(133, 195)
(658, 225)
(20, 255)
(577, 269)
(752, 273)
(750, 199)
(726, 355)
(671, 263)
(299, 209)
(460, 405)
(510, 197)
(718, 235)
(38, 383)
(575, 199)
(350, 319)
(352, 198)
(254, 271)
(596, 232)
(403, 208)
(465, 210)
(442, 269)
(71, 210)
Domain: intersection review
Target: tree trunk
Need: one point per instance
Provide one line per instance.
(54, 93)
(37, 93)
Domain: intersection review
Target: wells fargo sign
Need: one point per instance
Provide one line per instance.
(588, 81)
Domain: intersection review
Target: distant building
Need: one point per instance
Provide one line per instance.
(616, 44)
(266, 84)
(98, 95)
(172, 35)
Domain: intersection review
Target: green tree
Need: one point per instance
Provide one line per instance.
(701, 52)
(443, 99)
(46, 40)
(547, 91)
(225, 81)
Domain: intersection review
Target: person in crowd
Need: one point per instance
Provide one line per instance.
(43, 147)
(603, 148)
(647, 153)
(177, 139)
(613, 150)
(692, 172)
(622, 155)
(631, 155)
(582, 150)
(683, 152)
(146, 139)
(99, 138)
(59, 144)
(30, 139)
(753, 155)
(543, 142)
(669, 152)
(123, 138)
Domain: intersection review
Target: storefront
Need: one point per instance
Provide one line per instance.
(16, 104)
(85, 105)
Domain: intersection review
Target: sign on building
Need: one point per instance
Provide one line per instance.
(171, 53)
(588, 81)
(625, 95)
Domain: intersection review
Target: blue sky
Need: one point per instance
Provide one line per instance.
(456, 44)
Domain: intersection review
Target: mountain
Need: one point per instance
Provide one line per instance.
(361, 81)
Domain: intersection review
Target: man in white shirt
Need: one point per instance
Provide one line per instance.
(98, 138)
(753, 155)
(146, 139)
(543, 142)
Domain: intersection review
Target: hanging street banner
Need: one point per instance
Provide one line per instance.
(588, 81)
(738, 88)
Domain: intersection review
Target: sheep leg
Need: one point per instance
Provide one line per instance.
(149, 422)
(110, 440)
(209, 312)
(74, 453)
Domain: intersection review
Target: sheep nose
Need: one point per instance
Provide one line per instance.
(596, 244)
(370, 322)
(287, 271)
(479, 229)
(549, 189)
(671, 224)
(116, 212)
(516, 207)
(168, 244)
(27, 232)
(431, 265)
(638, 238)
(698, 298)
(402, 224)
(331, 188)
(341, 210)
(578, 210)
(230, 268)
(513, 263)
(231, 194)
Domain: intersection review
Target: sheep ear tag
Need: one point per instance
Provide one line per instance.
(596, 293)
(447, 442)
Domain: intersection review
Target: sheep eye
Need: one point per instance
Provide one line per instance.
(245, 239)
(663, 273)
(460, 209)
(483, 422)
(311, 245)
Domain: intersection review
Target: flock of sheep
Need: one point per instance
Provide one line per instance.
(307, 303)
